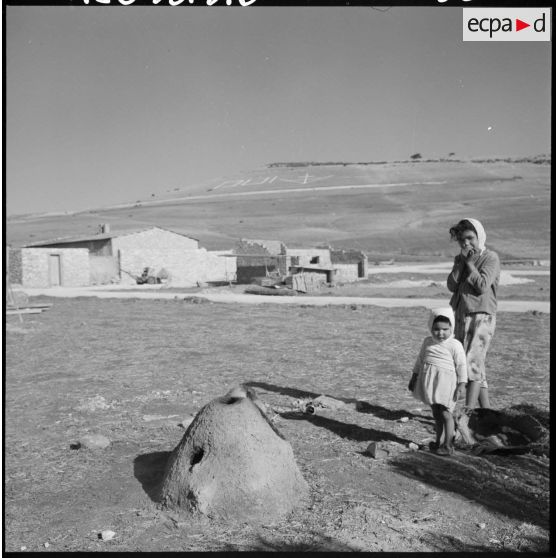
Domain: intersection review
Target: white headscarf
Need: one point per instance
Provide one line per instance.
(479, 229)
(445, 311)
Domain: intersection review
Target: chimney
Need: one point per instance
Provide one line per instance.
(104, 228)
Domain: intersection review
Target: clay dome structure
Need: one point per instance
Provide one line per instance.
(233, 464)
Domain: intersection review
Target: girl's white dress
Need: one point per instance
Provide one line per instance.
(440, 366)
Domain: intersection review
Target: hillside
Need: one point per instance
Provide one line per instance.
(398, 209)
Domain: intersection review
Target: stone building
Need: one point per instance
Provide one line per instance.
(49, 267)
(349, 265)
(120, 257)
(324, 265)
(259, 258)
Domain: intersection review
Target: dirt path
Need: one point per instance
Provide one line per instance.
(443, 267)
(158, 293)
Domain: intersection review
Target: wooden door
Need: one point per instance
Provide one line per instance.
(54, 270)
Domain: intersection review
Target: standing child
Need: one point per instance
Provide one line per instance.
(440, 376)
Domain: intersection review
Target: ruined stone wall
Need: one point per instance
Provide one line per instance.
(255, 259)
(309, 257)
(74, 267)
(346, 273)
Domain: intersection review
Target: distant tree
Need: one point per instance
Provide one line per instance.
(451, 154)
(416, 156)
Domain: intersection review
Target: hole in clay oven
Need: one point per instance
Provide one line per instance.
(196, 458)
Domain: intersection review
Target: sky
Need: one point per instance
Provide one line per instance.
(112, 104)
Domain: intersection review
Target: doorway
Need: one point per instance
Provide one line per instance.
(54, 270)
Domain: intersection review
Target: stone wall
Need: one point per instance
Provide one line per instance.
(186, 268)
(74, 267)
(103, 270)
(310, 257)
(346, 273)
(14, 266)
(256, 258)
(180, 256)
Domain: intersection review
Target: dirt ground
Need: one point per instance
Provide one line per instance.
(133, 370)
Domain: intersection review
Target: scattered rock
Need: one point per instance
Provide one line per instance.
(94, 404)
(481, 525)
(94, 441)
(23, 548)
(46, 545)
(413, 446)
(377, 450)
(196, 299)
(404, 419)
(106, 535)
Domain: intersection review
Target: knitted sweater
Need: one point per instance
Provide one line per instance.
(475, 291)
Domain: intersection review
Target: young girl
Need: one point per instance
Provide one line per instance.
(473, 282)
(440, 376)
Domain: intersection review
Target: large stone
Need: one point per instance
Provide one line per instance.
(233, 464)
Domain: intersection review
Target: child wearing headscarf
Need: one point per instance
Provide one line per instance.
(474, 281)
(440, 376)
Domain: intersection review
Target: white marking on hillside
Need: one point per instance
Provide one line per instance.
(246, 182)
(306, 179)
(278, 191)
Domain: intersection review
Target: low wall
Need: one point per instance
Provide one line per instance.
(185, 268)
(103, 270)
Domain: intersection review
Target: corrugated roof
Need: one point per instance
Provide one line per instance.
(99, 236)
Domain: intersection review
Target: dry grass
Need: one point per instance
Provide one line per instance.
(397, 221)
(166, 358)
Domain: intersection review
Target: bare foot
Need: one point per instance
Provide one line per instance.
(444, 450)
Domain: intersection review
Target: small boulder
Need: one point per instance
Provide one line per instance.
(106, 535)
(377, 450)
(94, 441)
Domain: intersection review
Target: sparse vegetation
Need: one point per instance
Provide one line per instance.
(373, 219)
(156, 363)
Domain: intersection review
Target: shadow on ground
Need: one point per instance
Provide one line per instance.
(349, 431)
(149, 469)
(320, 543)
(516, 486)
(360, 406)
